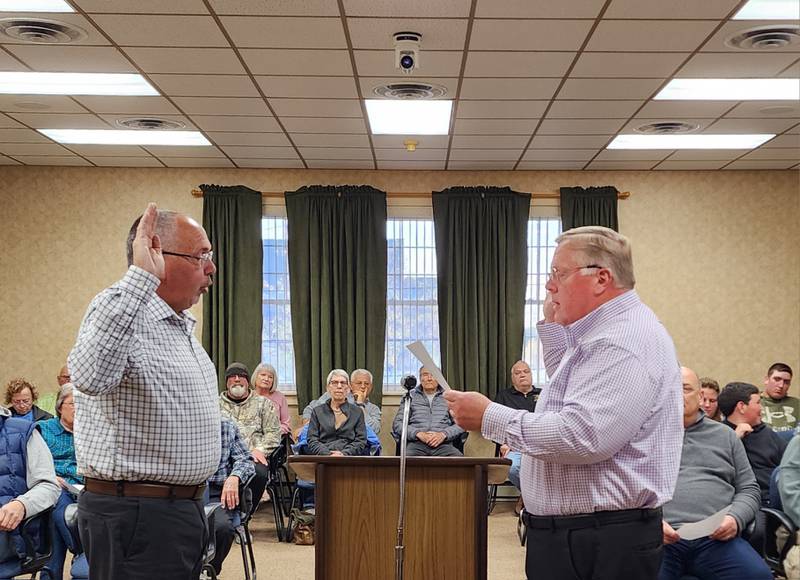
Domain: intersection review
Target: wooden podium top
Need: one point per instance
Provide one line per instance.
(305, 465)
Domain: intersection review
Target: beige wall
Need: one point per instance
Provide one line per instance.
(717, 253)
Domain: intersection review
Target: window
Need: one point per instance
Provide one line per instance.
(276, 331)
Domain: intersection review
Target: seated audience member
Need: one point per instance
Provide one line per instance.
(236, 468)
(741, 405)
(337, 427)
(256, 419)
(360, 389)
(27, 484)
(778, 409)
(21, 399)
(63, 376)
(57, 434)
(709, 390)
(714, 473)
(265, 380)
(431, 429)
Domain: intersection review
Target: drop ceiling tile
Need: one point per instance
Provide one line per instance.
(144, 6)
(551, 165)
(467, 165)
(569, 141)
(766, 110)
(750, 126)
(717, 42)
(508, 88)
(237, 123)
(433, 63)
(186, 60)
(705, 155)
(109, 150)
(8, 161)
(776, 154)
(735, 65)
(269, 163)
(129, 105)
(632, 154)
(333, 140)
(253, 106)
(783, 141)
(196, 162)
(7, 122)
(52, 160)
(792, 72)
(409, 8)
(667, 110)
(495, 126)
(59, 121)
(501, 109)
(490, 141)
(323, 125)
(113, 120)
(339, 164)
(9, 63)
(650, 35)
(621, 165)
(285, 32)
(539, 9)
(275, 61)
(16, 149)
(310, 107)
(411, 165)
(332, 153)
(368, 84)
(518, 64)
(608, 88)
(263, 139)
(39, 103)
(630, 126)
(126, 161)
(761, 164)
(161, 30)
(486, 154)
(672, 165)
(22, 136)
(97, 59)
(162, 151)
(683, 9)
(277, 7)
(308, 87)
(205, 85)
(564, 109)
(579, 126)
(564, 35)
(93, 36)
(400, 154)
(437, 33)
(559, 155)
(241, 152)
(423, 141)
(627, 64)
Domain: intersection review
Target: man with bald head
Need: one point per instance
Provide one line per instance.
(63, 376)
(713, 475)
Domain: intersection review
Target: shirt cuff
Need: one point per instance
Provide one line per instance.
(496, 420)
(549, 332)
(140, 283)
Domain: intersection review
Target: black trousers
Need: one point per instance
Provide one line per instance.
(131, 538)
(603, 546)
(258, 483)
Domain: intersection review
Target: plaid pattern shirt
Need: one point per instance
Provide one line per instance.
(608, 429)
(145, 390)
(235, 458)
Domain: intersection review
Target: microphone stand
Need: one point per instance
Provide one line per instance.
(399, 549)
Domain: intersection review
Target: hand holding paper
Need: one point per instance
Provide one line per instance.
(704, 527)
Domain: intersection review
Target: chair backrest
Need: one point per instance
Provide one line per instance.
(211, 511)
(774, 493)
(37, 553)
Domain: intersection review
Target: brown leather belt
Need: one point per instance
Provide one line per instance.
(144, 489)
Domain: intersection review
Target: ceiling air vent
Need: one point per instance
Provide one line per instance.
(771, 37)
(666, 128)
(41, 31)
(410, 91)
(150, 124)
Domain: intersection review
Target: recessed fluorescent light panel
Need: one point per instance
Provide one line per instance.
(35, 6)
(123, 137)
(36, 83)
(689, 141)
(399, 117)
(731, 90)
(769, 10)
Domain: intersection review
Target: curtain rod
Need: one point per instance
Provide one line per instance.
(542, 195)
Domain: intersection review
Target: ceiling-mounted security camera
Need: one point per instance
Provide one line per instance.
(406, 51)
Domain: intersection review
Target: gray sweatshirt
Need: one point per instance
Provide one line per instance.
(714, 473)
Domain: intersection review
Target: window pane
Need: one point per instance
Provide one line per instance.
(276, 332)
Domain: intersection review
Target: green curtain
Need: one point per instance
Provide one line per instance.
(482, 265)
(593, 206)
(337, 276)
(232, 309)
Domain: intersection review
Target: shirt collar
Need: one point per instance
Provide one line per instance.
(600, 315)
(163, 311)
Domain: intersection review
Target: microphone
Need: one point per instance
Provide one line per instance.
(408, 382)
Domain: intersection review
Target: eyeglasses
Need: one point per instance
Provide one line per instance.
(338, 383)
(560, 275)
(203, 258)
(22, 402)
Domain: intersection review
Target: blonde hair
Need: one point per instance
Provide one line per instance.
(603, 247)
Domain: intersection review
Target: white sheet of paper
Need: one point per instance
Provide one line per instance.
(704, 527)
(418, 350)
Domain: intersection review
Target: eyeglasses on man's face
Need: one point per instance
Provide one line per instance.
(559, 276)
(203, 258)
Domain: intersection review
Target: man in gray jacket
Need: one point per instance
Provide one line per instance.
(714, 473)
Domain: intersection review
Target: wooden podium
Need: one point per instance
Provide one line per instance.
(357, 503)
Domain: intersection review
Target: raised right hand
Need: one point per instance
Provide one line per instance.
(147, 245)
(549, 310)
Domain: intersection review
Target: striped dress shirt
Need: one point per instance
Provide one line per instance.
(145, 390)
(608, 429)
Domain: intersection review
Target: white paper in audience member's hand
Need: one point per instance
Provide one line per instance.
(418, 350)
(704, 527)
